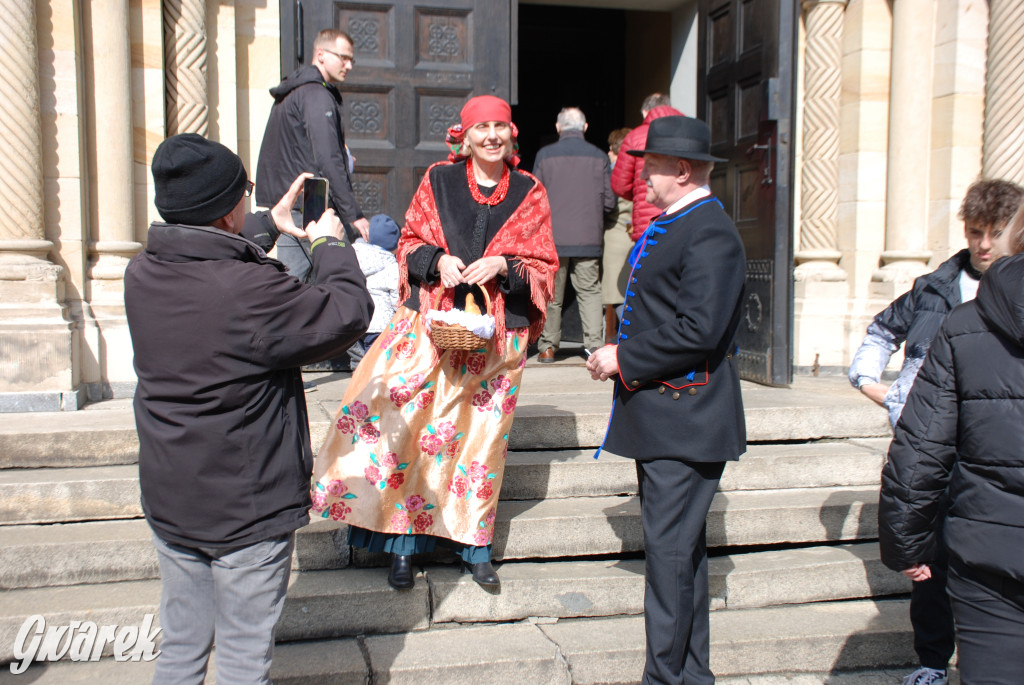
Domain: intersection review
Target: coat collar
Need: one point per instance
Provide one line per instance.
(180, 243)
(945, 279)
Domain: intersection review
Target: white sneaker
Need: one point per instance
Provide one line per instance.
(926, 676)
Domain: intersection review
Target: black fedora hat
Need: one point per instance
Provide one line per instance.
(679, 136)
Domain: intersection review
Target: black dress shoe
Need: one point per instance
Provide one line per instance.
(483, 574)
(400, 576)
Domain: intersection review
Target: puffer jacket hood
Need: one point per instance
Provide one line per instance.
(300, 77)
(1001, 297)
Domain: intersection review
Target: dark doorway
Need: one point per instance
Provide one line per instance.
(568, 57)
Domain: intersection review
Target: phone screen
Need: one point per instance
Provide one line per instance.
(314, 199)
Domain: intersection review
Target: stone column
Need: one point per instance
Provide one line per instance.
(185, 56)
(36, 342)
(906, 252)
(818, 257)
(111, 191)
(1003, 155)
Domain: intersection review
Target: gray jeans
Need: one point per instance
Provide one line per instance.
(230, 596)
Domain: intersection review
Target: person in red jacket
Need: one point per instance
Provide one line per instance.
(626, 181)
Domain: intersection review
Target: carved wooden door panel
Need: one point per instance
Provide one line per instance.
(746, 96)
(416, 63)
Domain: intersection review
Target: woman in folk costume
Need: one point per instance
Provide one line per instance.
(417, 451)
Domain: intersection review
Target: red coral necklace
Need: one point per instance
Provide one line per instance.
(499, 193)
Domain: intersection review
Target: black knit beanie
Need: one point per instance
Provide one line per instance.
(197, 180)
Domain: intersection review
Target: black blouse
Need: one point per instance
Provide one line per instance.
(468, 228)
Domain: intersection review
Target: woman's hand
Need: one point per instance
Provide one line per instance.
(450, 268)
(484, 269)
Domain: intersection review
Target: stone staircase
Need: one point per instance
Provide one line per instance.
(797, 591)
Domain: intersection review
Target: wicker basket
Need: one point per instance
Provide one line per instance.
(448, 336)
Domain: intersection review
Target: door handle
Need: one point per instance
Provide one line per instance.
(766, 163)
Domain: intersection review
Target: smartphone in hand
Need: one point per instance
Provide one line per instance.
(314, 199)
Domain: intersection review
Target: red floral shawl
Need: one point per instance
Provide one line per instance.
(526, 236)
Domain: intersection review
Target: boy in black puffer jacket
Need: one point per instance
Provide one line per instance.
(963, 429)
(914, 319)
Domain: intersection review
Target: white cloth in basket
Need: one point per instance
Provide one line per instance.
(480, 325)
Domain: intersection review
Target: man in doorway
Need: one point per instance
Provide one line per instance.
(577, 176)
(626, 180)
(914, 318)
(305, 133)
(677, 407)
(219, 331)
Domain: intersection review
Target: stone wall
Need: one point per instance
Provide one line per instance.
(910, 123)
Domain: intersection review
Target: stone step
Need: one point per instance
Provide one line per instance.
(327, 604)
(804, 638)
(105, 551)
(35, 556)
(611, 525)
(96, 493)
(746, 645)
(558, 409)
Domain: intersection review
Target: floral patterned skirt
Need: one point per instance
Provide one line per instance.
(418, 446)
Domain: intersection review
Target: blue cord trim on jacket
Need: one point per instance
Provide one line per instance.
(656, 226)
(634, 258)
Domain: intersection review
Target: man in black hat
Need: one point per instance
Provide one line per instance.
(219, 331)
(677, 406)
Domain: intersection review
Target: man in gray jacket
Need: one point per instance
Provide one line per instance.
(577, 176)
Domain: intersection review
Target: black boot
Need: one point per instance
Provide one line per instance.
(400, 576)
(483, 574)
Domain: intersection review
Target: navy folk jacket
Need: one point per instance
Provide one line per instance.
(677, 395)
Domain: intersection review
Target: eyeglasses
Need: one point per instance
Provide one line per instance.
(350, 59)
(249, 185)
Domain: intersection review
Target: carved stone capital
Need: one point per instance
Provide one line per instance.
(818, 265)
(902, 265)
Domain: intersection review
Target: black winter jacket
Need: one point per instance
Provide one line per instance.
(577, 176)
(219, 332)
(305, 132)
(914, 318)
(963, 426)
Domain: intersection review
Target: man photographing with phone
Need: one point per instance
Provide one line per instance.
(219, 331)
(305, 133)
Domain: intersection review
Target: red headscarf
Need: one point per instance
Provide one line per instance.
(485, 108)
(481, 108)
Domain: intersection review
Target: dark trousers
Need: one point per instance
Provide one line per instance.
(675, 498)
(989, 611)
(932, 618)
(930, 612)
